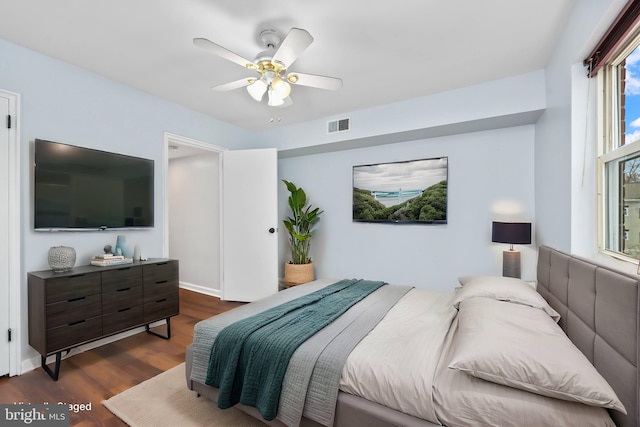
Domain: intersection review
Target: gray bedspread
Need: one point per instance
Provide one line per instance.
(311, 382)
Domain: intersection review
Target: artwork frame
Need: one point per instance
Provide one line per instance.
(378, 195)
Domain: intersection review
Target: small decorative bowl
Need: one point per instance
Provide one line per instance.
(62, 258)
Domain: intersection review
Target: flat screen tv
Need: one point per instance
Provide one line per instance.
(79, 188)
(407, 192)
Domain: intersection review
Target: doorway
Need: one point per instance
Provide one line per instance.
(230, 251)
(193, 212)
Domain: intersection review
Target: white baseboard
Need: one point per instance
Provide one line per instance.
(200, 289)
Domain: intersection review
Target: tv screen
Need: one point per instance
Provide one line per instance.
(413, 191)
(79, 188)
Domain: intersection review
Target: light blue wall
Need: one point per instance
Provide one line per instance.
(64, 103)
(490, 177)
(566, 146)
(497, 103)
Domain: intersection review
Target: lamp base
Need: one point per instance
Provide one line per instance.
(511, 264)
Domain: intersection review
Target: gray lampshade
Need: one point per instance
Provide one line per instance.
(511, 232)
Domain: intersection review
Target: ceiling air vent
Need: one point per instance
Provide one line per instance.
(340, 125)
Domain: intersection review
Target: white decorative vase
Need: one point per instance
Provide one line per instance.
(136, 253)
(62, 258)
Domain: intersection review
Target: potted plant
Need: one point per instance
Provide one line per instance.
(300, 227)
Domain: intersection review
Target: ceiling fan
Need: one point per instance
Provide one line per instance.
(272, 65)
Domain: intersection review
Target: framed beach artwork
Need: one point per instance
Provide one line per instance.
(407, 192)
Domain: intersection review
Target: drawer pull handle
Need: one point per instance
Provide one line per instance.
(161, 282)
(162, 263)
(76, 299)
(161, 300)
(76, 275)
(123, 289)
(124, 268)
(76, 323)
(124, 309)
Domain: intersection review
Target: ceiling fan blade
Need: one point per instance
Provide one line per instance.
(224, 53)
(313, 80)
(296, 41)
(234, 85)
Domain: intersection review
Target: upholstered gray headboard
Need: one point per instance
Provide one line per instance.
(600, 314)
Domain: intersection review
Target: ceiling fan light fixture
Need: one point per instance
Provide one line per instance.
(257, 89)
(281, 87)
(272, 65)
(275, 100)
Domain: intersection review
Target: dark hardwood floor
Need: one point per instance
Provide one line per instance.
(100, 373)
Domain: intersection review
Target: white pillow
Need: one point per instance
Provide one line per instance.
(506, 280)
(521, 347)
(502, 289)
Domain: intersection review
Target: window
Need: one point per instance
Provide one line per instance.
(615, 61)
(620, 157)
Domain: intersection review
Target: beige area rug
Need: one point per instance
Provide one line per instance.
(165, 400)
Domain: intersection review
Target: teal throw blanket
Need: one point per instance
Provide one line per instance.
(249, 358)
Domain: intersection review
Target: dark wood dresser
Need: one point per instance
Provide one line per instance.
(88, 303)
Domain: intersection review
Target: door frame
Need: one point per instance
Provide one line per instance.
(171, 139)
(15, 230)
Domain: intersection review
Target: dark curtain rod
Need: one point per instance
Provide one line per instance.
(616, 33)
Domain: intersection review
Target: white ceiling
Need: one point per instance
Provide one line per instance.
(384, 51)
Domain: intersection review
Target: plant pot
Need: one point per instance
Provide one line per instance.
(297, 274)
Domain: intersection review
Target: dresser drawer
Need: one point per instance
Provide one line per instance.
(65, 312)
(161, 309)
(123, 319)
(160, 272)
(121, 278)
(124, 298)
(70, 287)
(161, 289)
(73, 334)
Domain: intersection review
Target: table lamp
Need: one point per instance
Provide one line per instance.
(518, 233)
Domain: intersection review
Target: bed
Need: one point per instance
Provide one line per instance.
(598, 311)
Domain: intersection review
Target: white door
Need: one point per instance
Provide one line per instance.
(4, 236)
(249, 224)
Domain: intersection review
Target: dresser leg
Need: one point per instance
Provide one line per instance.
(166, 337)
(53, 374)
